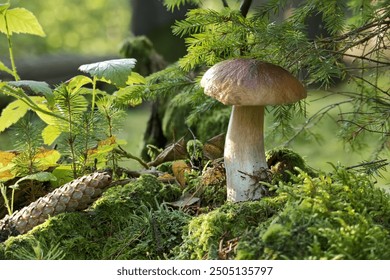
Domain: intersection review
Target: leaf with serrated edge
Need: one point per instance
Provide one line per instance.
(50, 133)
(21, 20)
(6, 165)
(116, 71)
(5, 68)
(47, 158)
(77, 82)
(40, 176)
(135, 78)
(12, 113)
(63, 173)
(35, 86)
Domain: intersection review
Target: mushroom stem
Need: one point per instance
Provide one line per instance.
(244, 155)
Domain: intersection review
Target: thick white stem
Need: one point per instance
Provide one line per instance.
(244, 155)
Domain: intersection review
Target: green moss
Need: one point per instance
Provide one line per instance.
(174, 124)
(148, 235)
(70, 230)
(84, 235)
(212, 122)
(2, 251)
(30, 248)
(283, 162)
(204, 233)
(336, 216)
(341, 215)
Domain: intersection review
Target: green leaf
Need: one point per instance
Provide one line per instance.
(49, 119)
(12, 113)
(36, 86)
(20, 20)
(46, 114)
(64, 174)
(7, 170)
(5, 68)
(40, 176)
(135, 78)
(77, 82)
(116, 71)
(46, 159)
(4, 7)
(50, 133)
(99, 154)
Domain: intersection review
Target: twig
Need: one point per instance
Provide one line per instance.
(121, 182)
(364, 127)
(125, 154)
(381, 163)
(320, 114)
(361, 57)
(371, 84)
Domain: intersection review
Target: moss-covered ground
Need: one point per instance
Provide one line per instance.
(336, 215)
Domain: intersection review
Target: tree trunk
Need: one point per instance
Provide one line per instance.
(151, 18)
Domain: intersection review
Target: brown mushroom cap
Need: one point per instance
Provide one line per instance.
(250, 82)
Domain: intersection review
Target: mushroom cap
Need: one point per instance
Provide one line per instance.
(250, 82)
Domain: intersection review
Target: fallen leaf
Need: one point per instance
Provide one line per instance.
(214, 147)
(179, 167)
(174, 151)
(185, 200)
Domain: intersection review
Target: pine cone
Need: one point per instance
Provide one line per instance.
(75, 195)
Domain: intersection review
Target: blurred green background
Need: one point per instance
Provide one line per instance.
(98, 27)
(92, 27)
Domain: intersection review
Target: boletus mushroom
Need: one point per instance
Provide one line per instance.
(248, 85)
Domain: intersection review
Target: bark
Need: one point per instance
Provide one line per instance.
(152, 19)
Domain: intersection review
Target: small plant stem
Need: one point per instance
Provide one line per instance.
(12, 201)
(10, 50)
(21, 95)
(93, 94)
(125, 154)
(5, 198)
(71, 140)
